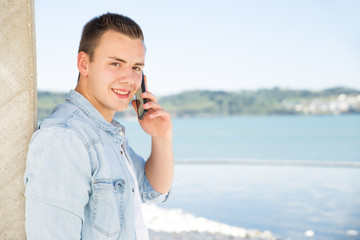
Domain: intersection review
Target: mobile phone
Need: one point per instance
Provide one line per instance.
(141, 101)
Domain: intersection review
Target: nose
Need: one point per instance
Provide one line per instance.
(128, 76)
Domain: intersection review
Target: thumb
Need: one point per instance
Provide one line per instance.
(133, 102)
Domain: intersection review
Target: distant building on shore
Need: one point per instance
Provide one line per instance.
(340, 105)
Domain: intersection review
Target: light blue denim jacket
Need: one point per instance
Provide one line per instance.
(77, 183)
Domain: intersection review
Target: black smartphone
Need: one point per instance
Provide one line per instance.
(141, 101)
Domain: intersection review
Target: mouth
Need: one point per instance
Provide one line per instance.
(122, 93)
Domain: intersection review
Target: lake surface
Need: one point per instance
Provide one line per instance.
(287, 201)
(302, 138)
(284, 199)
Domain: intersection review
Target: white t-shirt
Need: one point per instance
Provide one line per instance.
(141, 230)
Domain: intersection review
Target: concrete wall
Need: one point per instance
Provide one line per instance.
(18, 106)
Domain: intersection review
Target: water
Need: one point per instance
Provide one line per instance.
(302, 138)
(286, 200)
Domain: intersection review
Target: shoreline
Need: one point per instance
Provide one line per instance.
(291, 202)
(270, 162)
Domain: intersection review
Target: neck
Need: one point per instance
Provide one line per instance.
(107, 115)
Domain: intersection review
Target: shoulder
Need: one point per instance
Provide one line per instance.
(67, 119)
(57, 147)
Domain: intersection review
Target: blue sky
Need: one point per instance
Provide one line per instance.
(218, 45)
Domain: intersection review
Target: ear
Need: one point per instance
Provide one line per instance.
(83, 61)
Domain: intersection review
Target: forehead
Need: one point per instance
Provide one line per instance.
(117, 44)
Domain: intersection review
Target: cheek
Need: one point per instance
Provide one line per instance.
(138, 82)
(137, 85)
(103, 76)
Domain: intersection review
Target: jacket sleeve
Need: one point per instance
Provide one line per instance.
(57, 180)
(147, 192)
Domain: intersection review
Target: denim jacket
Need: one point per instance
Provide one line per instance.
(77, 183)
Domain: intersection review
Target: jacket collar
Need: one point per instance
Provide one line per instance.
(84, 105)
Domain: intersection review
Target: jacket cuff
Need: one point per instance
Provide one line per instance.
(149, 194)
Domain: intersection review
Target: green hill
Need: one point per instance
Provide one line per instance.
(47, 101)
(263, 102)
(260, 102)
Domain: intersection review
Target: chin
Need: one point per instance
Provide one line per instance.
(120, 109)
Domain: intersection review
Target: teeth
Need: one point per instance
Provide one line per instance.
(120, 92)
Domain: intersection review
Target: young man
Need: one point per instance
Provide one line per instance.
(83, 180)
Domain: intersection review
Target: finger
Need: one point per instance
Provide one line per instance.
(159, 113)
(152, 105)
(149, 96)
(133, 102)
(145, 81)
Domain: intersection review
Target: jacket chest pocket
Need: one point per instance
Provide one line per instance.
(108, 206)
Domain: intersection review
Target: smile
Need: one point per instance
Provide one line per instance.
(120, 92)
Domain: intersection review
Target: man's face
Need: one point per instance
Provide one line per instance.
(115, 72)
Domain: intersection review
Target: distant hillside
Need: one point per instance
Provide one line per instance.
(263, 102)
(47, 101)
(260, 102)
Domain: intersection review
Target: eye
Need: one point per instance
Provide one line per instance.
(115, 64)
(137, 68)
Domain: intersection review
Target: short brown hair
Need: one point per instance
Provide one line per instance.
(95, 28)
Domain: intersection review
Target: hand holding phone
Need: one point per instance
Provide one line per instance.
(140, 101)
(157, 122)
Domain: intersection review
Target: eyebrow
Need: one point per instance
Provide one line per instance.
(122, 60)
